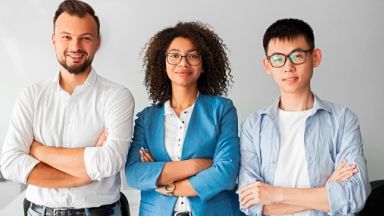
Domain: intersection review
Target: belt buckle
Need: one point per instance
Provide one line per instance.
(59, 212)
(182, 213)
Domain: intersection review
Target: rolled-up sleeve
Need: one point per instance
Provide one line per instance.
(223, 173)
(141, 175)
(109, 159)
(16, 163)
(350, 196)
(250, 160)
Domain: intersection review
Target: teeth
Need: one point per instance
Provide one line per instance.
(76, 56)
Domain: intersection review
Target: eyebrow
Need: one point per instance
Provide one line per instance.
(290, 52)
(85, 34)
(176, 50)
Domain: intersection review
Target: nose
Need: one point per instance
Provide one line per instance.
(183, 61)
(289, 66)
(75, 44)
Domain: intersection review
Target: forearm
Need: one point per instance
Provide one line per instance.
(184, 188)
(67, 160)
(178, 170)
(43, 175)
(309, 198)
(282, 209)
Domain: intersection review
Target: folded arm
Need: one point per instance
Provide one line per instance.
(99, 160)
(45, 176)
(281, 200)
(177, 170)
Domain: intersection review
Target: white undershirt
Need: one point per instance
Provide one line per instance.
(291, 169)
(175, 130)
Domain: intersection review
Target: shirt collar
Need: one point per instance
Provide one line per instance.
(168, 110)
(90, 81)
(273, 110)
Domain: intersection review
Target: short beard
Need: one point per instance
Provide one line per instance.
(76, 69)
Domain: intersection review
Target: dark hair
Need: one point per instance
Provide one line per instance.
(288, 29)
(217, 73)
(77, 8)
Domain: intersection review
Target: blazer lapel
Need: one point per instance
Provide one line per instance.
(156, 142)
(200, 129)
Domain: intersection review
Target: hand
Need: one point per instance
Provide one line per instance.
(343, 172)
(145, 155)
(259, 193)
(162, 191)
(102, 138)
(34, 149)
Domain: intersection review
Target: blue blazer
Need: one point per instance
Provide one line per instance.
(212, 133)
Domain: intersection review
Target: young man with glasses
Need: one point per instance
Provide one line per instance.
(51, 143)
(301, 155)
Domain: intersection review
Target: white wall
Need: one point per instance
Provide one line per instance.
(350, 33)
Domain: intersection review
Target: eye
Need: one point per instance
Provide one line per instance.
(297, 55)
(277, 58)
(66, 37)
(87, 38)
(193, 56)
(174, 55)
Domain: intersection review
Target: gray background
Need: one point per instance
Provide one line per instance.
(349, 32)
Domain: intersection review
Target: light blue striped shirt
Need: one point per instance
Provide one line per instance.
(331, 134)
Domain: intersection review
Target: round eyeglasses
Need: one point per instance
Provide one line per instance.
(175, 58)
(297, 57)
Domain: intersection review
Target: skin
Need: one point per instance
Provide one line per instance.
(293, 82)
(75, 41)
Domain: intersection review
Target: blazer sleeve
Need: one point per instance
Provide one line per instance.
(141, 175)
(223, 173)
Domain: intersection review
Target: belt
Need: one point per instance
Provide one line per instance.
(185, 213)
(103, 210)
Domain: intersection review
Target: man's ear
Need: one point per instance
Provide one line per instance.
(316, 57)
(267, 66)
(53, 39)
(98, 42)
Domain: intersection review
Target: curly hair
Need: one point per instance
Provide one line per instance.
(217, 73)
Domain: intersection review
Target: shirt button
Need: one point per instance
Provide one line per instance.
(185, 112)
(183, 122)
(273, 162)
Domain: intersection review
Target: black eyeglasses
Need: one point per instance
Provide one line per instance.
(175, 58)
(297, 57)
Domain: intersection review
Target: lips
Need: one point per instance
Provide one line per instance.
(290, 79)
(76, 56)
(183, 73)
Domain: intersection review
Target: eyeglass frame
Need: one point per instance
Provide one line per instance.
(288, 56)
(181, 57)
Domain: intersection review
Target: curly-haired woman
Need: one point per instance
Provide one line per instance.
(185, 152)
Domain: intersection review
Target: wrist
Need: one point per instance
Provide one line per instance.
(170, 188)
(279, 195)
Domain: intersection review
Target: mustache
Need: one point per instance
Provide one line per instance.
(76, 52)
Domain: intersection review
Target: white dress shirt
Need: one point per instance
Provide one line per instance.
(46, 113)
(175, 130)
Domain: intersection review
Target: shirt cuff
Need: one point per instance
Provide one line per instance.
(335, 197)
(255, 210)
(90, 165)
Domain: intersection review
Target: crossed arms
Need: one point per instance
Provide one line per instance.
(25, 159)
(282, 200)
